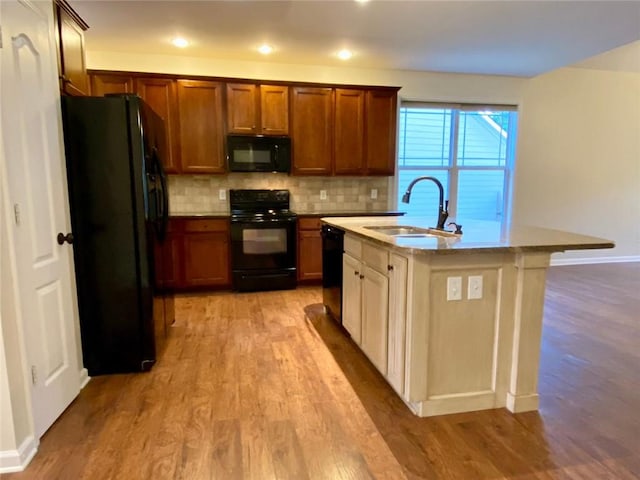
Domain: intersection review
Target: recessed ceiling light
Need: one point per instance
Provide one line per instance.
(362, 1)
(345, 54)
(180, 42)
(265, 49)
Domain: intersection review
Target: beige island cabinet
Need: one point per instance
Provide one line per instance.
(453, 322)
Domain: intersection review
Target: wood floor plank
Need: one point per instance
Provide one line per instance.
(265, 385)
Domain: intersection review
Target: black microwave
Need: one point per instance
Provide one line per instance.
(258, 154)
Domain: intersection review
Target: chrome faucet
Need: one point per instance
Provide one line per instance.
(443, 207)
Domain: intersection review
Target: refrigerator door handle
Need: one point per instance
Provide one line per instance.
(164, 198)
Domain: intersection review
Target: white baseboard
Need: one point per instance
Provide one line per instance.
(556, 262)
(17, 460)
(84, 378)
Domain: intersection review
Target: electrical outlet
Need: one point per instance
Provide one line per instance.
(323, 194)
(454, 288)
(222, 194)
(374, 193)
(474, 287)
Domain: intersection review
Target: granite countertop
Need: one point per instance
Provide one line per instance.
(478, 237)
(357, 213)
(200, 215)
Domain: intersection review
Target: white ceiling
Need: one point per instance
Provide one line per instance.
(519, 38)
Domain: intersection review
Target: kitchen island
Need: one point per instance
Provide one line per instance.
(453, 322)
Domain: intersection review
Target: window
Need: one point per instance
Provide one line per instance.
(469, 148)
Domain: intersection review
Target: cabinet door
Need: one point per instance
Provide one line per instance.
(349, 132)
(206, 259)
(312, 131)
(375, 305)
(352, 297)
(200, 126)
(73, 72)
(309, 255)
(242, 108)
(274, 109)
(104, 83)
(397, 321)
(160, 95)
(380, 134)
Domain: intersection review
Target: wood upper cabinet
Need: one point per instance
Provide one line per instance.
(201, 129)
(71, 53)
(381, 132)
(274, 109)
(257, 110)
(160, 94)
(105, 83)
(243, 108)
(312, 130)
(349, 132)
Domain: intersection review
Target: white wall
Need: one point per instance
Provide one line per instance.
(578, 158)
(578, 150)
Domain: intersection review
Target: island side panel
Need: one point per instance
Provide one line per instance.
(527, 331)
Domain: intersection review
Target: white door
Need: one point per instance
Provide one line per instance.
(36, 185)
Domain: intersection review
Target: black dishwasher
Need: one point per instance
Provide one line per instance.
(332, 247)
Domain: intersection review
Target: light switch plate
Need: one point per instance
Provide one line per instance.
(374, 193)
(323, 194)
(454, 288)
(222, 194)
(474, 287)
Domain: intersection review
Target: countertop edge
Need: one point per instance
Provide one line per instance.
(445, 247)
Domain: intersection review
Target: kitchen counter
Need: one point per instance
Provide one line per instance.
(477, 237)
(454, 323)
(200, 215)
(355, 213)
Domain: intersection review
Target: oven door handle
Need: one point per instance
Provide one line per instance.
(269, 221)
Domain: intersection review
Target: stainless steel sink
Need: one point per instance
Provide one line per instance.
(409, 231)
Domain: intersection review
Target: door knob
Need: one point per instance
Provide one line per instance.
(65, 238)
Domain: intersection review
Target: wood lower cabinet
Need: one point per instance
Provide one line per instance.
(71, 53)
(199, 250)
(309, 249)
(312, 131)
(201, 128)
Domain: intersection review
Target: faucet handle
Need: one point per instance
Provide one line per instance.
(446, 206)
(458, 228)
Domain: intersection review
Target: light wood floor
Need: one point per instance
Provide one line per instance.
(264, 386)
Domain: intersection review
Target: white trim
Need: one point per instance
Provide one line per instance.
(556, 262)
(17, 460)
(84, 378)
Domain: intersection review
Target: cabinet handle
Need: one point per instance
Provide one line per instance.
(356, 272)
(361, 276)
(389, 268)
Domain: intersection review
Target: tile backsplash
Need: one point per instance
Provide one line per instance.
(200, 194)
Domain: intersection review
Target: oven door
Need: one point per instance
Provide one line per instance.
(263, 245)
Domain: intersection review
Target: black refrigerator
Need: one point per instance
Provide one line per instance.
(114, 147)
